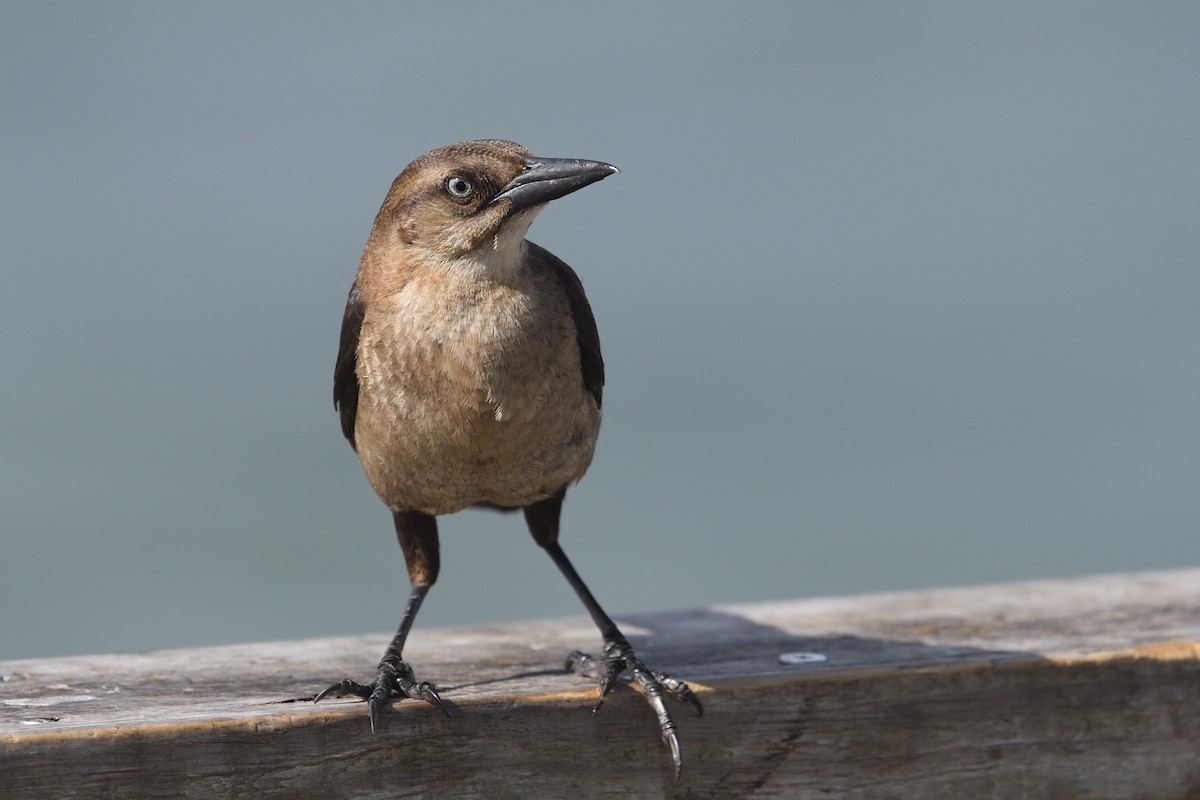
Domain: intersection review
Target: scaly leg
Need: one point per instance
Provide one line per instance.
(619, 656)
(394, 677)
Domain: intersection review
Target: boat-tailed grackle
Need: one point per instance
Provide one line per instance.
(469, 373)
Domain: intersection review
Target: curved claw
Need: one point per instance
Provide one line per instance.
(343, 688)
(651, 686)
(405, 684)
(392, 680)
(375, 703)
(619, 657)
(604, 670)
(679, 690)
(606, 684)
(428, 692)
(676, 756)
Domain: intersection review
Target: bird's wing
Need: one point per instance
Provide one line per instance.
(345, 376)
(585, 324)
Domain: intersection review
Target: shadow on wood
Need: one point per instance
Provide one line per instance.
(1058, 689)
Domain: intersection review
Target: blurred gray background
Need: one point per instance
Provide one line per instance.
(891, 295)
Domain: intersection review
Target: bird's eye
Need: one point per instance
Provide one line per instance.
(458, 186)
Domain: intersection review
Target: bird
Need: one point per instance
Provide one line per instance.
(469, 374)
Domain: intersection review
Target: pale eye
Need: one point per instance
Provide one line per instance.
(458, 186)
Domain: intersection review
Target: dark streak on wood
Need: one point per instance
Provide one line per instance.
(1085, 688)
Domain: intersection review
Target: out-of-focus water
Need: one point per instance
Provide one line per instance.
(890, 296)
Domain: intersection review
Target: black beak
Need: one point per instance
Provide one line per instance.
(546, 179)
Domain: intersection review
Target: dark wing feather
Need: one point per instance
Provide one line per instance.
(345, 375)
(585, 324)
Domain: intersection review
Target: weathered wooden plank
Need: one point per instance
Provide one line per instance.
(1086, 688)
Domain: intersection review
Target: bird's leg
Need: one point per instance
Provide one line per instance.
(619, 657)
(618, 654)
(394, 677)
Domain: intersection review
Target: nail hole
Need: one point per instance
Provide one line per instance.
(801, 658)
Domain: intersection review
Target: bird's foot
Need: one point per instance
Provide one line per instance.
(619, 657)
(393, 680)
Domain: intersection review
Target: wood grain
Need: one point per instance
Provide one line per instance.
(1082, 688)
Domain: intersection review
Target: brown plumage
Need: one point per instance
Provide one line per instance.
(469, 372)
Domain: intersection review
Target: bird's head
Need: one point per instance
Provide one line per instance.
(476, 196)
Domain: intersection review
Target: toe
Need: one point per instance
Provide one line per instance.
(343, 688)
(679, 690)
